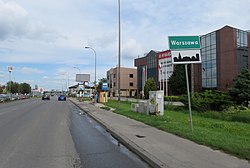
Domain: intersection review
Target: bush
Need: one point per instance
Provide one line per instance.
(150, 85)
(241, 118)
(172, 98)
(209, 101)
(239, 114)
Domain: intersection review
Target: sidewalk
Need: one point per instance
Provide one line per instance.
(158, 148)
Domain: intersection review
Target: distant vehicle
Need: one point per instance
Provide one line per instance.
(22, 96)
(11, 96)
(3, 98)
(46, 97)
(61, 98)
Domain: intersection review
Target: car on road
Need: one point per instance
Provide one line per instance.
(62, 98)
(46, 97)
(3, 98)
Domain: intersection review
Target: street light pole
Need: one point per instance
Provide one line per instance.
(78, 69)
(95, 63)
(119, 52)
(10, 69)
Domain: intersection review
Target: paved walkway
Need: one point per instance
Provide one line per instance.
(158, 148)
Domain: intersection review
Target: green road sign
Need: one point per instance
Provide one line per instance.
(184, 42)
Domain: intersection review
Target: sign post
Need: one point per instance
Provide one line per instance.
(185, 50)
(105, 88)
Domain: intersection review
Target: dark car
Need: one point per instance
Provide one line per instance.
(46, 97)
(61, 98)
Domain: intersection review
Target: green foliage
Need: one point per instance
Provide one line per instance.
(177, 81)
(12, 87)
(231, 137)
(240, 92)
(99, 87)
(150, 85)
(83, 99)
(2, 89)
(209, 100)
(234, 114)
(172, 98)
(24, 88)
(15, 87)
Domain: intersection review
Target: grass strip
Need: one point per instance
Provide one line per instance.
(230, 137)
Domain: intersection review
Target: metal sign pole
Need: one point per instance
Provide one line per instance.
(160, 79)
(189, 101)
(105, 98)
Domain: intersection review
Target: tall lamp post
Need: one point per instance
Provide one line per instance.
(10, 69)
(119, 52)
(78, 69)
(95, 63)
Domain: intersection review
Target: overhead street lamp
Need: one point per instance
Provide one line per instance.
(78, 69)
(10, 69)
(95, 63)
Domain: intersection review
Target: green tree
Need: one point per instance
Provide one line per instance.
(99, 87)
(150, 85)
(12, 87)
(177, 81)
(2, 89)
(24, 88)
(240, 92)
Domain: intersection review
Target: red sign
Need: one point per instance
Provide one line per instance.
(164, 54)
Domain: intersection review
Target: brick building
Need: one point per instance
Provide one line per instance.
(225, 52)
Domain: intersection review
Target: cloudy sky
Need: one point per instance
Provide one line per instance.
(44, 39)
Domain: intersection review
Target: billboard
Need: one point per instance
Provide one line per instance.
(82, 77)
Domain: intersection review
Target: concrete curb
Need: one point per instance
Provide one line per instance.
(147, 157)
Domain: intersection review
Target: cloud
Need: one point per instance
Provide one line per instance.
(53, 33)
(131, 49)
(30, 81)
(15, 23)
(12, 19)
(28, 70)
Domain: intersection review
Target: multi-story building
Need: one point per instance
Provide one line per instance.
(128, 81)
(147, 67)
(224, 52)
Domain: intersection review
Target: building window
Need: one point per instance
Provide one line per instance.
(208, 54)
(242, 49)
(131, 75)
(114, 75)
(114, 84)
(131, 84)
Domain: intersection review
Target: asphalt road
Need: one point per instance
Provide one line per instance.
(52, 134)
(97, 148)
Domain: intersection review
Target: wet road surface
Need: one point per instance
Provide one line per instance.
(97, 148)
(52, 134)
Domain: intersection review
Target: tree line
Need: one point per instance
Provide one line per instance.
(14, 87)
